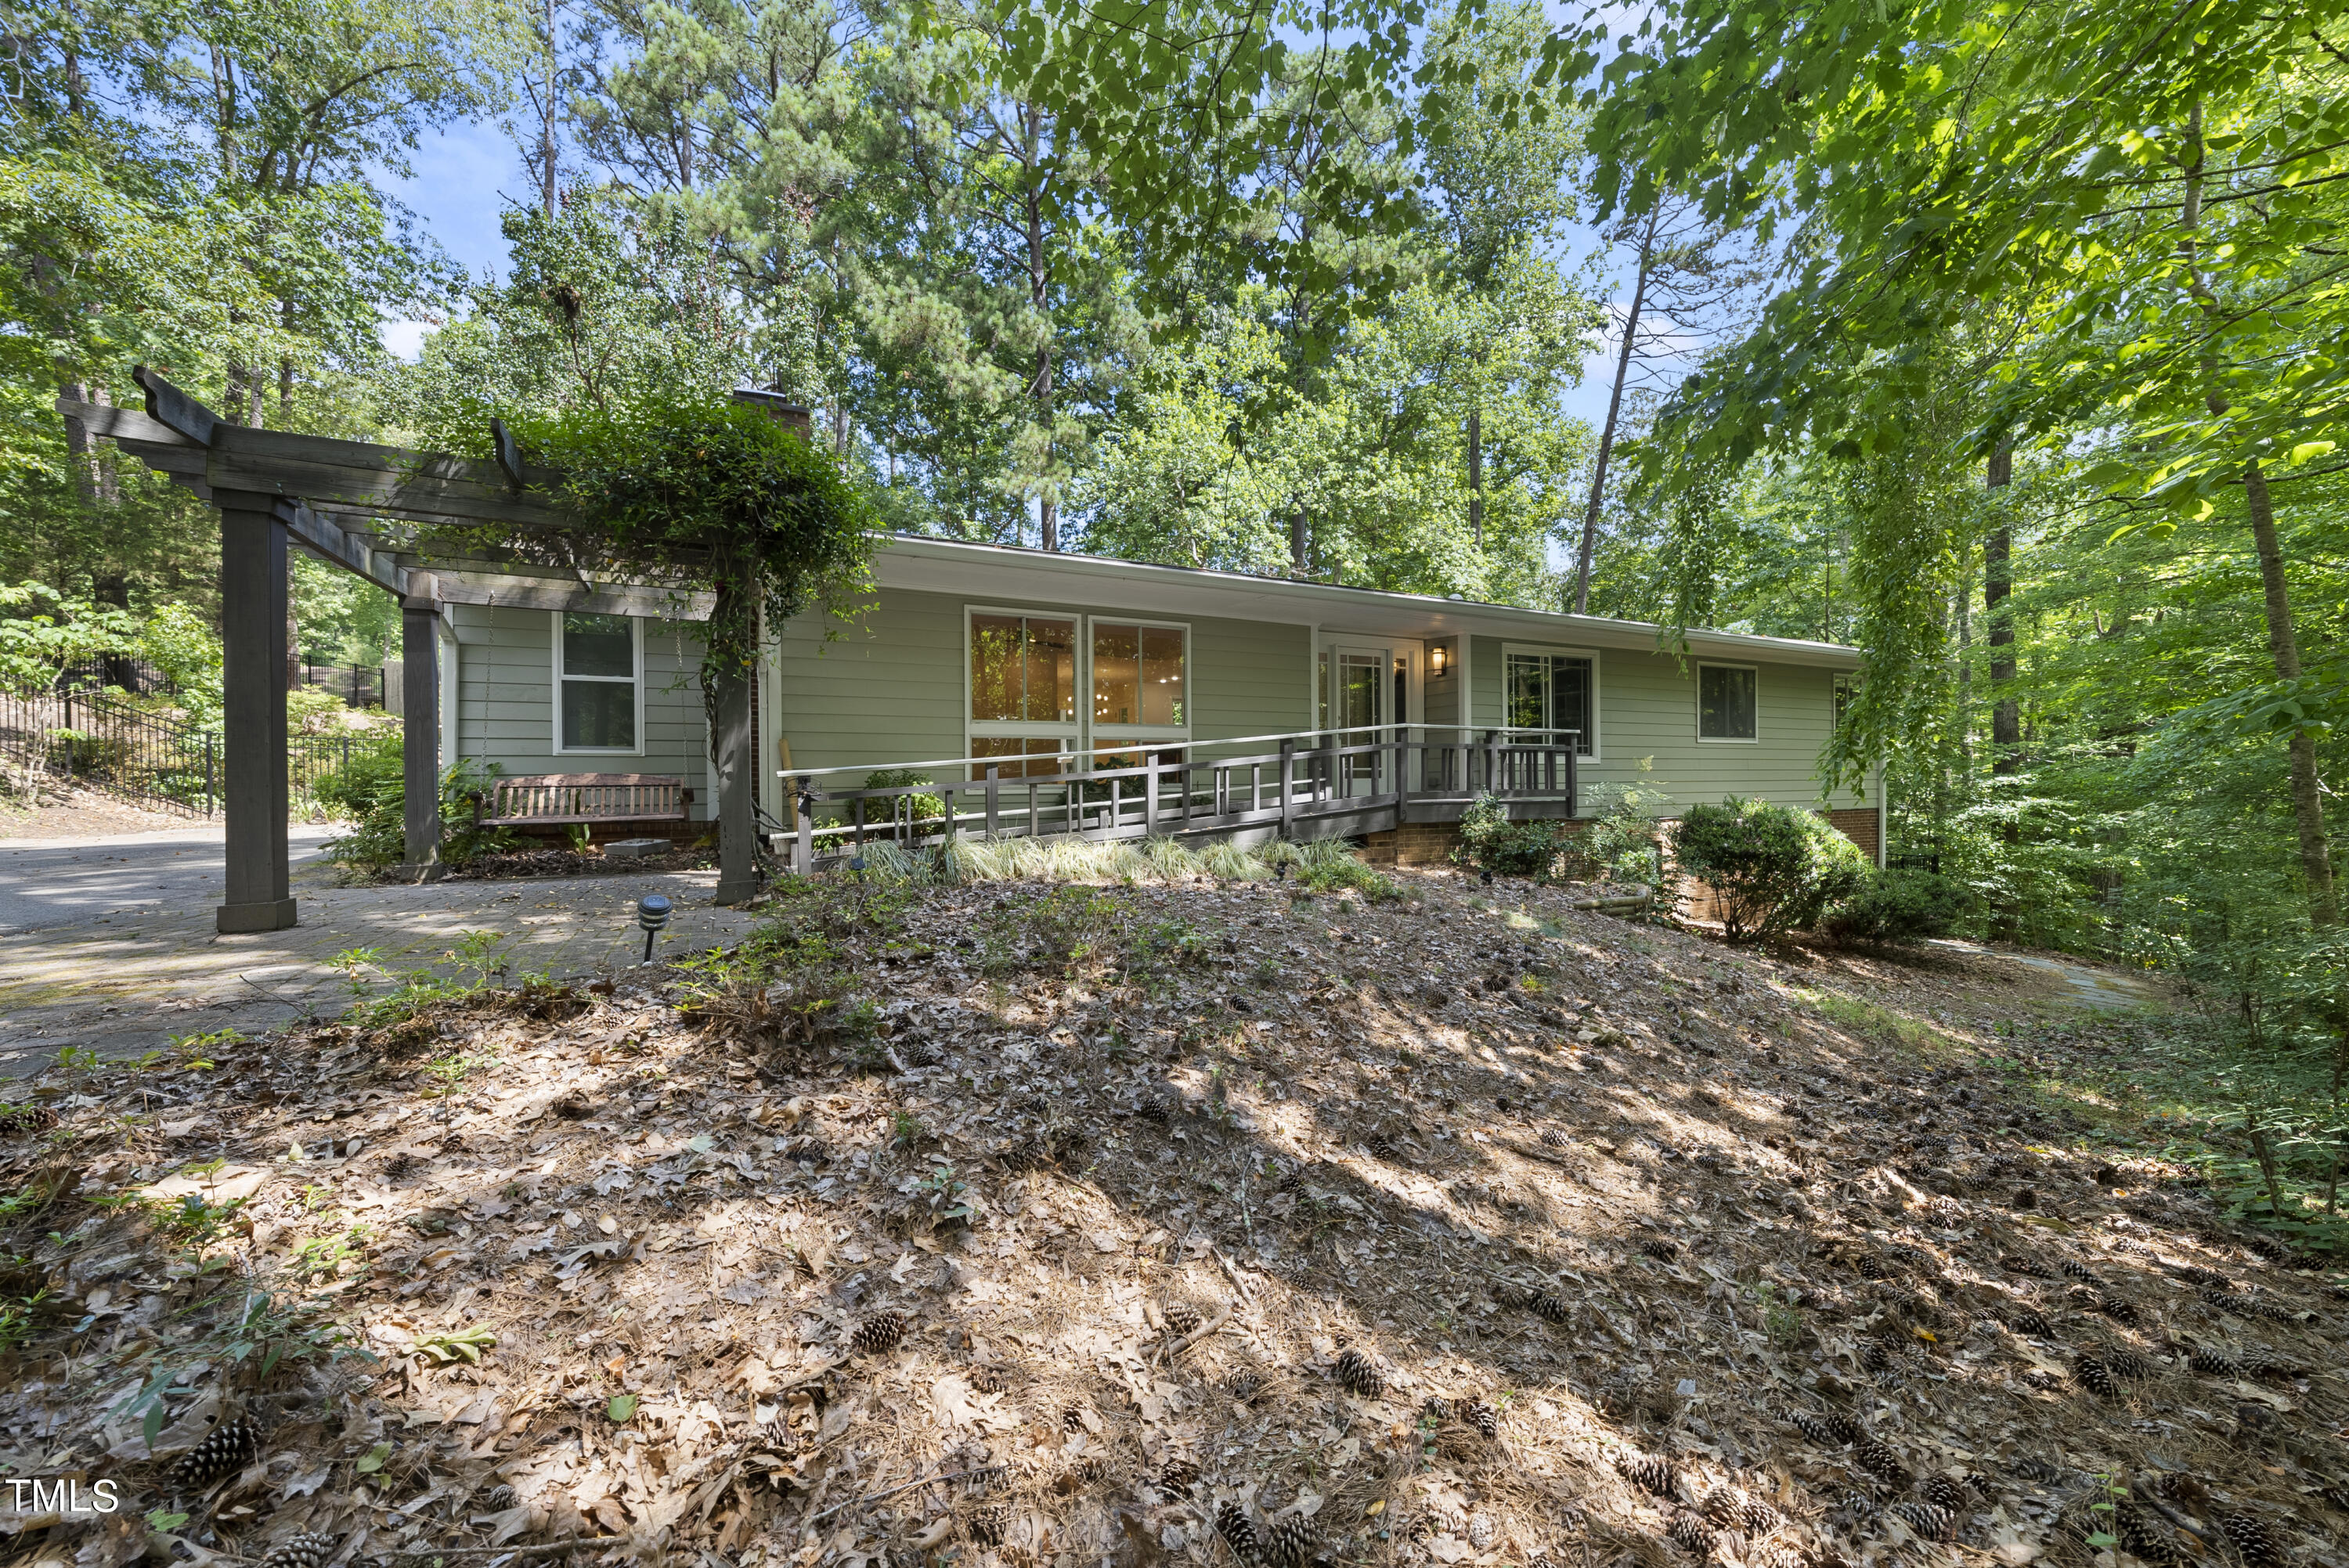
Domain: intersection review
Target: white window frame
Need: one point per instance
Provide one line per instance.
(1696, 696)
(1083, 736)
(1138, 735)
(1071, 736)
(636, 644)
(1597, 722)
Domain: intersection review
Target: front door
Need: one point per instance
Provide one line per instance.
(1362, 707)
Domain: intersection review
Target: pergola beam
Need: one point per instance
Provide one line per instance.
(277, 489)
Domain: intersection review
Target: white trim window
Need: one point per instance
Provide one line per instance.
(1019, 688)
(1728, 702)
(1140, 676)
(1545, 691)
(599, 683)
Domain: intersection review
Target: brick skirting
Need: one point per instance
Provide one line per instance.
(1857, 823)
(1413, 844)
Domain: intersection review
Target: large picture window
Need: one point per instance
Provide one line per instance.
(598, 672)
(1023, 691)
(1138, 675)
(1726, 705)
(1549, 693)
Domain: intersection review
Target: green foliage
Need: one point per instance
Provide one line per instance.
(1897, 906)
(1490, 841)
(373, 793)
(1623, 840)
(42, 631)
(704, 491)
(925, 807)
(1772, 869)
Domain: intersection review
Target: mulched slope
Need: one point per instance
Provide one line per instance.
(1218, 1219)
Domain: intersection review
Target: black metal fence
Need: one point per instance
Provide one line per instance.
(359, 686)
(96, 741)
(119, 671)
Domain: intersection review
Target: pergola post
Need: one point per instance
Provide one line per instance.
(252, 713)
(420, 743)
(734, 749)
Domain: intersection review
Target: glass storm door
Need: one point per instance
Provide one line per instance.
(1361, 710)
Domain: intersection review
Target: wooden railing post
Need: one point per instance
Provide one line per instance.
(1287, 780)
(1492, 761)
(803, 797)
(1150, 795)
(994, 770)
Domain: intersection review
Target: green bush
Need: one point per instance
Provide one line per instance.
(1772, 869)
(1489, 842)
(927, 808)
(1623, 840)
(1897, 906)
(373, 792)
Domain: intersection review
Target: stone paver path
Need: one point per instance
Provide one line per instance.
(124, 982)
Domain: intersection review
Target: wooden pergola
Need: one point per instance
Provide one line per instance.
(277, 491)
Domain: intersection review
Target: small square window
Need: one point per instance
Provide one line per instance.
(595, 669)
(1724, 703)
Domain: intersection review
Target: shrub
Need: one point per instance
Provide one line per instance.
(927, 808)
(1489, 842)
(373, 792)
(1622, 840)
(1897, 906)
(1772, 869)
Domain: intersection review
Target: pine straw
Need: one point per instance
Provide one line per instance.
(765, 1198)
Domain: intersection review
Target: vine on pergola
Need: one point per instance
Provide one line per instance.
(705, 493)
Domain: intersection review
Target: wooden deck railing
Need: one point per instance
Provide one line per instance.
(1315, 784)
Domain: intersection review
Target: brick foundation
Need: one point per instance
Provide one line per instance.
(1412, 844)
(1857, 823)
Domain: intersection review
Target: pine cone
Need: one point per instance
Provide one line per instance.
(989, 1380)
(1182, 1318)
(2259, 1363)
(1647, 1473)
(1358, 1375)
(1481, 1531)
(1550, 1309)
(1481, 1416)
(2023, 1267)
(1882, 1462)
(987, 1523)
(1246, 1385)
(1291, 1542)
(2033, 1470)
(1508, 1293)
(1873, 1267)
(1874, 1357)
(1942, 1493)
(1661, 1248)
(304, 1552)
(2213, 1362)
(1237, 1529)
(2211, 1277)
(879, 1333)
(2127, 1366)
(1073, 1419)
(2257, 1545)
(1553, 1139)
(2121, 1311)
(1829, 1430)
(2140, 1537)
(2080, 1272)
(2225, 1300)
(2029, 1320)
(1380, 1147)
(1690, 1533)
(2096, 1377)
(224, 1452)
(1929, 1523)
(1176, 1475)
(498, 1498)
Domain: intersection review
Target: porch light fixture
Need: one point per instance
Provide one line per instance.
(652, 914)
(1439, 659)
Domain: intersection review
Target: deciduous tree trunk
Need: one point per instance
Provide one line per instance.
(1998, 582)
(2307, 793)
(1614, 414)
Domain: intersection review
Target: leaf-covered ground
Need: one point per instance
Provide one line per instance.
(1033, 1224)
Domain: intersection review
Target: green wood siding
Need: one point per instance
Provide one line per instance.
(505, 699)
(889, 689)
(1647, 709)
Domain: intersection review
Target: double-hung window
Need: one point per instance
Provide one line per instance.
(1023, 691)
(598, 682)
(1726, 703)
(1551, 696)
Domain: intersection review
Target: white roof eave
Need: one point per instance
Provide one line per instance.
(1020, 576)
